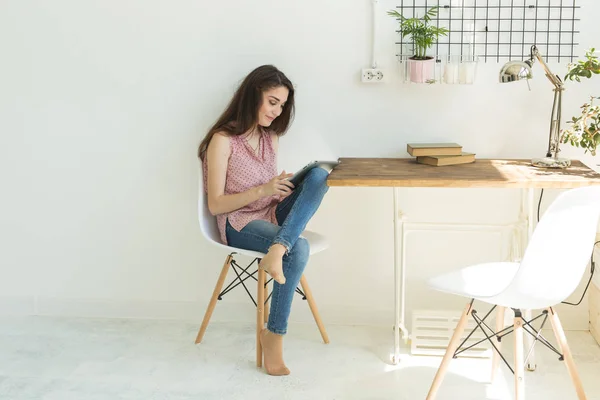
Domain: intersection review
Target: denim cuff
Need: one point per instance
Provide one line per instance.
(282, 242)
(277, 331)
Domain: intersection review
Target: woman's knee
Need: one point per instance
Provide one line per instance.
(317, 175)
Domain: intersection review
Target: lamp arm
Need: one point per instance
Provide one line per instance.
(556, 81)
(555, 118)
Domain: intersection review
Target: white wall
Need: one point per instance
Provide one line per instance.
(102, 105)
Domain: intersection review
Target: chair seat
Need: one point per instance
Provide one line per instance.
(481, 281)
(316, 241)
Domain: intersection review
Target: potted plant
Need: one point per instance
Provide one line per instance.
(423, 36)
(585, 128)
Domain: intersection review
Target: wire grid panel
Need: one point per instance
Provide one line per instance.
(499, 29)
(433, 329)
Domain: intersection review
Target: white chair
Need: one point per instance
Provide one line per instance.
(552, 267)
(209, 229)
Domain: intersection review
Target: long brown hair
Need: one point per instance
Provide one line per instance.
(242, 112)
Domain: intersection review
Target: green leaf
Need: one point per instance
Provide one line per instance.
(422, 35)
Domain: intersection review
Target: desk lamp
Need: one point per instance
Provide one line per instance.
(514, 71)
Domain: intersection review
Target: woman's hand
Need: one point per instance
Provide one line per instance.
(278, 185)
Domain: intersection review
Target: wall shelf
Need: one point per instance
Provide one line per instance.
(459, 70)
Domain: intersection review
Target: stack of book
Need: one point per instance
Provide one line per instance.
(439, 154)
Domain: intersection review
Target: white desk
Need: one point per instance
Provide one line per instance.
(500, 173)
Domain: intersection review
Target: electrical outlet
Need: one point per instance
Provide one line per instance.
(369, 75)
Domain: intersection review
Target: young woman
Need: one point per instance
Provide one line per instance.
(257, 208)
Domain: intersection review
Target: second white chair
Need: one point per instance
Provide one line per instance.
(552, 267)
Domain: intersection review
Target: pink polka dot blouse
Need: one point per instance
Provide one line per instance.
(245, 170)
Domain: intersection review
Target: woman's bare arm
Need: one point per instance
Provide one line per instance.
(218, 153)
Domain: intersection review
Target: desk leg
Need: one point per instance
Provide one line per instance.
(530, 212)
(399, 280)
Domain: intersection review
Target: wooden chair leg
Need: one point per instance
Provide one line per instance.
(496, 356)
(260, 318)
(214, 298)
(564, 348)
(313, 308)
(519, 361)
(452, 346)
(267, 304)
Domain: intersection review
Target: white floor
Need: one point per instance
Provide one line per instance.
(85, 359)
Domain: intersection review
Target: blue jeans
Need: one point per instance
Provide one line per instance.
(293, 213)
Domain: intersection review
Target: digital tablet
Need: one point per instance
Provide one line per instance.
(327, 165)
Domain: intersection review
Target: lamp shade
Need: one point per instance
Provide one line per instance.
(514, 71)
